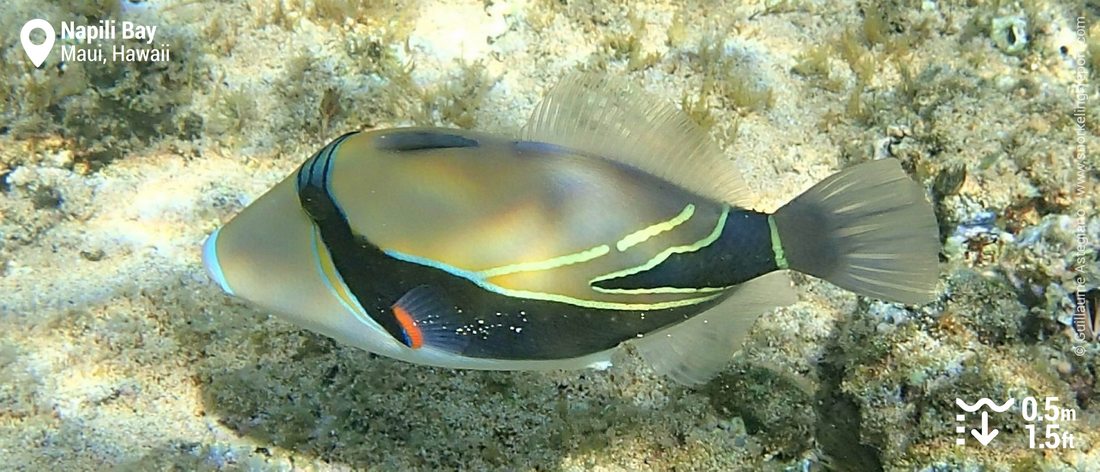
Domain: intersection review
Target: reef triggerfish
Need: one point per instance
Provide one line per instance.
(610, 220)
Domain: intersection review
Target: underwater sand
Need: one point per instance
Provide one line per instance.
(117, 352)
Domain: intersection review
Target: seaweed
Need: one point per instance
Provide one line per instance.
(730, 78)
(236, 111)
(814, 63)
(628, 46)
(458, 100)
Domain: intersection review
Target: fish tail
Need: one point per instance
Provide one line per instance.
(868, 229)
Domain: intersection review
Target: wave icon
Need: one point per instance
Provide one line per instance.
(984, 402)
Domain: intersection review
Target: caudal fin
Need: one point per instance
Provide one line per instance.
(868, 229)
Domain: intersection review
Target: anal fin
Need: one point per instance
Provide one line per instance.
(694, 351)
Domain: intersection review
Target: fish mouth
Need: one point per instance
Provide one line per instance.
(210, 260)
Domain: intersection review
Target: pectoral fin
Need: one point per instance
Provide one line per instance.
(427, 319)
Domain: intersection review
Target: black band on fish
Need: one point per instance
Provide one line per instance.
(420, 305)
(315, 199)
(741, 253)
(314, 172)
(421, 140)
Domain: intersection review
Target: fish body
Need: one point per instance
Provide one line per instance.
(611, 221)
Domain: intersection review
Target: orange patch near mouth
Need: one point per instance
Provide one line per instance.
(412, 332)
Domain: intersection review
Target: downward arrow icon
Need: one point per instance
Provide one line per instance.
(986, 435)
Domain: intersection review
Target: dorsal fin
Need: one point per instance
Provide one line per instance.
(613, 119)
(696, 350)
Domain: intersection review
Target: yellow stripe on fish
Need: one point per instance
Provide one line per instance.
(333, 280)
(575, 258)
(643, 235)
(664, 255)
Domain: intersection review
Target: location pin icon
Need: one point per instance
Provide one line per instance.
(37, 52)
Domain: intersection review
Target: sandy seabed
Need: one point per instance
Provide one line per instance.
(117, 352)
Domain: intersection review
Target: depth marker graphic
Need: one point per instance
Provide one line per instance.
(986, 435)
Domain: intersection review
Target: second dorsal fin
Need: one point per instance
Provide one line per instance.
(613, 119)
